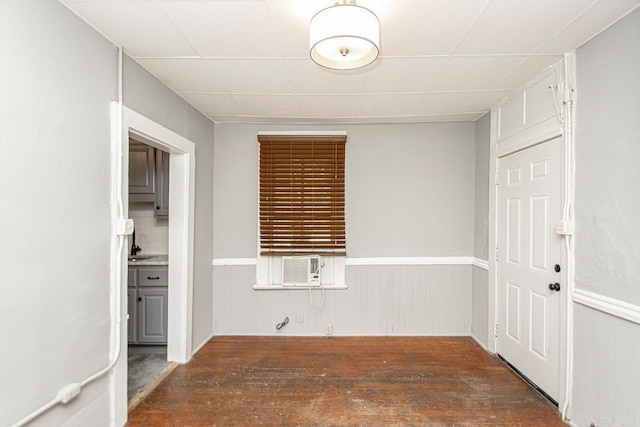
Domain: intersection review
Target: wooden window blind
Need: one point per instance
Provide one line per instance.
(302, 195)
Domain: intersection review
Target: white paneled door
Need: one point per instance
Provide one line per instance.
(530, 190)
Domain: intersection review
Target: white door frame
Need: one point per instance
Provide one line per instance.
(502, 145)
(181, 237)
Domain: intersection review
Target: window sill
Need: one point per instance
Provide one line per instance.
(294, 288)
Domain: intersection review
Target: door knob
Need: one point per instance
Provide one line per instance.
(554, 286)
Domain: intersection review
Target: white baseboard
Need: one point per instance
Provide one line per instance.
(202, 344)
(480, 343)
(612, 306)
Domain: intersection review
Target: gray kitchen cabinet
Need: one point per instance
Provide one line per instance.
(132, 310)
(162, 184)
(148, 304)
(142, 172)
(152, 317)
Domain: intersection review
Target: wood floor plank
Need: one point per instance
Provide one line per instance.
(344, 381)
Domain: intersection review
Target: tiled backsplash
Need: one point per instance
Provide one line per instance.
(152, 234)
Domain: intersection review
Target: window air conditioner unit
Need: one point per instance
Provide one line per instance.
(301, 270)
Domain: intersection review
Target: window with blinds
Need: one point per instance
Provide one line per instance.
(302, 195)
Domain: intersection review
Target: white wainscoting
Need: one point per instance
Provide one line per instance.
(606, 369)
(425, 299)
(480, 306)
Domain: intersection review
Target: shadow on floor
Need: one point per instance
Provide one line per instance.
(145, 363)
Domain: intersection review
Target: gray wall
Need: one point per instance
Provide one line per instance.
(411, 183)
(607, 159)
(481, 195)
(57, 81)
(151, 98)
(480, 277)
(409, 192)
(607, 349)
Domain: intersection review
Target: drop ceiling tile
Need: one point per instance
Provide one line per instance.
(519, 26)
(226, 28)
(530, 68)
(488, 100)
(187, 74)
(269, 105)
(447, 103)
(324, 106)
(251, 76)
(308, 77)
(474, 72)
(141, 28)
(419, 27)
(291, 24)
(212, 104)
(594, 20)
(390, 105)
(402, 75)
(102, 1)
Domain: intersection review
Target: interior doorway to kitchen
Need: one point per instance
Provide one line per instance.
(147, 284)
(180, 242)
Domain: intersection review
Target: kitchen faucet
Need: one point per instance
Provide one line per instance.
(135, 248)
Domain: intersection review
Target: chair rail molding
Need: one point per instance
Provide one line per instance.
(612, 306)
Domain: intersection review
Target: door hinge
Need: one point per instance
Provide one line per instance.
(497, 254)
(495, 330)
(497, 178)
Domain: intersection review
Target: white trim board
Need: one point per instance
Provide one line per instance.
(307, 132)
(480, 263)
(612, 306)
(462, 260)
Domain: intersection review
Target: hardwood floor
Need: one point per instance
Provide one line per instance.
(344, 381)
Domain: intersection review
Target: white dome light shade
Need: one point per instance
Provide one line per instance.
(344, 37)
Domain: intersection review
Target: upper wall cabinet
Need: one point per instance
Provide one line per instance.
(149, 177)
(162, 184)
(142, 172)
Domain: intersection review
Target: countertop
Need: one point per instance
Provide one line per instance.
(154, 259)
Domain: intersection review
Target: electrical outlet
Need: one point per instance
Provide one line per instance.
(300, 318)
(328, 329)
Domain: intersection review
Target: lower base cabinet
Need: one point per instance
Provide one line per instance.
(147, 305)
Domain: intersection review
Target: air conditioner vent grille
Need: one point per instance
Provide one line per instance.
(301, 271)
(295, 271)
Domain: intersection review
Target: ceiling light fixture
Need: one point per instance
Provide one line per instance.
(344, 36)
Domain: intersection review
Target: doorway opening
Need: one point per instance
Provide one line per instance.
(147, 287)
(179, 274)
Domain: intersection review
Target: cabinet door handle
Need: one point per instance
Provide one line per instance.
(153, 278)
(139, 299)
